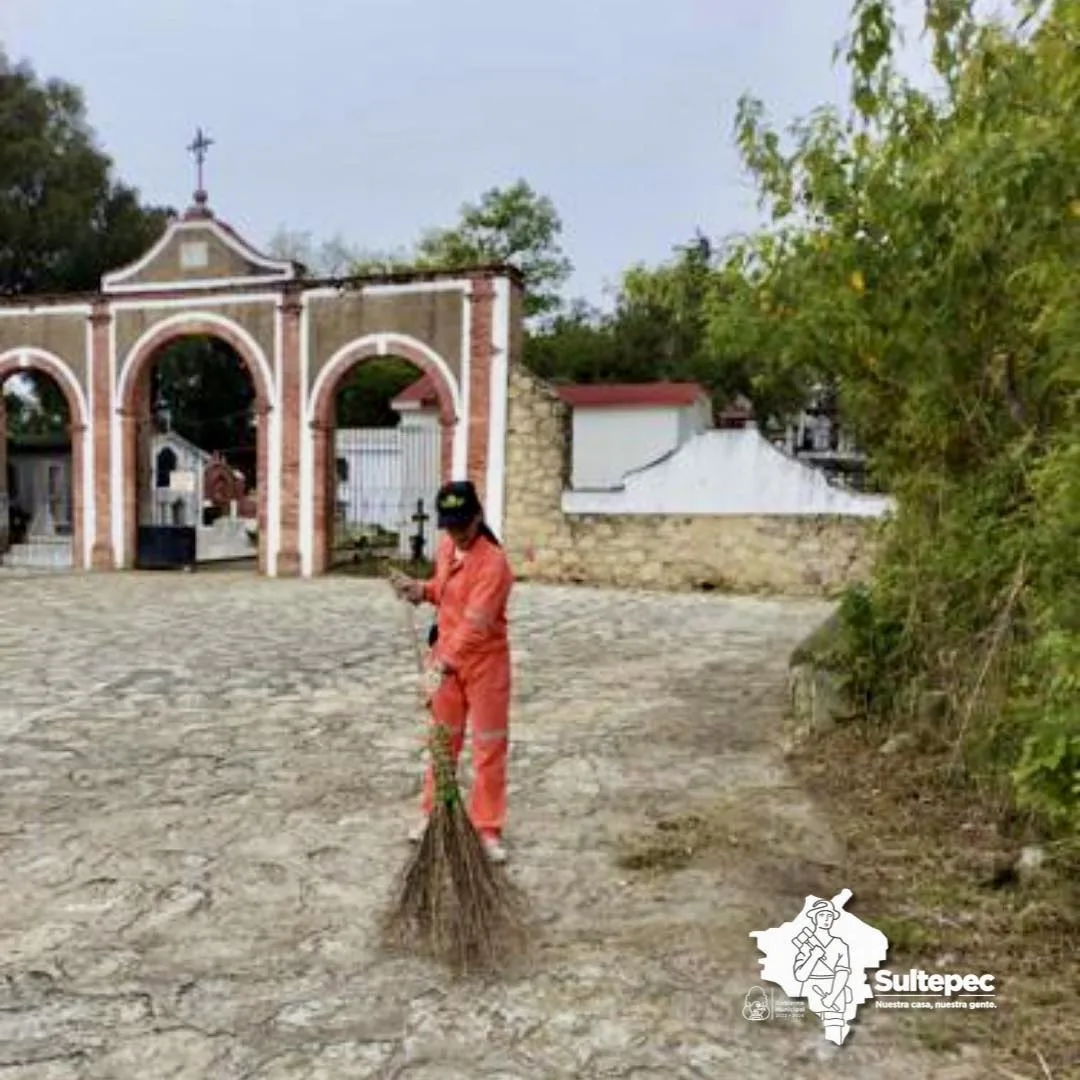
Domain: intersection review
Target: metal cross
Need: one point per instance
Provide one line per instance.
(418, 537)
(198, 149)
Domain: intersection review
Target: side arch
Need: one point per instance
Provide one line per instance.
(318, 458)
(83, 510)
(31, 359)
(321, 407)
(130, 389)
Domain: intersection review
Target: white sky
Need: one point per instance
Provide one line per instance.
(374, 119)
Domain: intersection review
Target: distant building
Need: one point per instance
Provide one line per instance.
(625, 426)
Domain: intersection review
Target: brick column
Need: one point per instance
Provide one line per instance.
(324, 495)
(483, 302)
(135, 437)
(102, 555)
(262, 483)
(288, 561)
(5, 539)
(129, 440)
(77, 435)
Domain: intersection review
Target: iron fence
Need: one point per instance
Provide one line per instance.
(385, 482)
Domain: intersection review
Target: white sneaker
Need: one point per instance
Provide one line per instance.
(493, 848)
(416, 833)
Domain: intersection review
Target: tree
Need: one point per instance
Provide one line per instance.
(921, 258)
(210, 398)
(333, 258)
(364, 400)
(513, 226)
(64, 219)
(576, 345)
(36, 406)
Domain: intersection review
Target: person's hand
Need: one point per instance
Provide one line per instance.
(432, 679)
(407, 588)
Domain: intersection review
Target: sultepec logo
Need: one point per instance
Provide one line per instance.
(822, 956)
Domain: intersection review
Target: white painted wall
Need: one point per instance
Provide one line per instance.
(726, 472)
(609, 441)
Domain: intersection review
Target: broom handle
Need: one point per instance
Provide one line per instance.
(445, 773)
(414, 637)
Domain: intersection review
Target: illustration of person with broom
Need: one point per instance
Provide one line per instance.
(467, 672)
(823, 967)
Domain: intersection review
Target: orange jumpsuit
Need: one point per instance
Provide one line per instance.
(471, 589)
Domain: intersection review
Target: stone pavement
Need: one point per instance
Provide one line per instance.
(205, 781)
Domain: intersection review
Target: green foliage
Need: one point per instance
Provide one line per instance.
(512, 226)
(921, 261)
(64, 219)
(363, 401)
(210, 397)
(41, 409)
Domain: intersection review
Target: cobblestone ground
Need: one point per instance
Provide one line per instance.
(205, 782)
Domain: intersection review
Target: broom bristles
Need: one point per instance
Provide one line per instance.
(453, 904)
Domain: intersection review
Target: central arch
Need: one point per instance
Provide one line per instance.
(134, 409)
(16, 361)
(319, 496)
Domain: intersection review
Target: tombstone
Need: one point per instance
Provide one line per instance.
(224, 491)
(418, 539)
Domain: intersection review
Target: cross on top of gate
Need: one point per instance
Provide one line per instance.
(198, 150)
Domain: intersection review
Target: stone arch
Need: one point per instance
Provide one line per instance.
(82, 497)
(133, 406)
(320, 419)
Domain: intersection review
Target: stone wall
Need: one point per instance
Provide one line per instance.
(4, 505)
(748, 554)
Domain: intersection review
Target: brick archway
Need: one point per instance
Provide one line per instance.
(134, 408)
(19, 361)
(322, 422)
(297, 335)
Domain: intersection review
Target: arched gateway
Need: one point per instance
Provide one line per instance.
(298, 338)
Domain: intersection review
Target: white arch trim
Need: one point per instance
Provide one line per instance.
(384, 346)
(29, 358)
(198, 319)
(177, 323)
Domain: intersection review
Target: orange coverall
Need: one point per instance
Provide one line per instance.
(471, 589)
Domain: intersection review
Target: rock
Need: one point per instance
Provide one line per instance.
(1031, 862)
(815, 703)
(895, 743)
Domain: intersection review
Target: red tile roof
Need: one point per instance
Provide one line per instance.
(420, 393)
(611, 395)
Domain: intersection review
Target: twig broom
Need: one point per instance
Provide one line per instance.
(452, 903)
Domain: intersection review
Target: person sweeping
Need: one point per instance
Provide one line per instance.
(468, 668)
(453, 900)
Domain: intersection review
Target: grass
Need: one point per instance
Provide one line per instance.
(931, 867)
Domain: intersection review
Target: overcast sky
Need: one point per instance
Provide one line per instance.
(374, 119)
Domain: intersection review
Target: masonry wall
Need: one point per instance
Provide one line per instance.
(5, 540)
(788, 555)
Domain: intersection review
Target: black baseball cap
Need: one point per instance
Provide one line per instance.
(457, 504)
